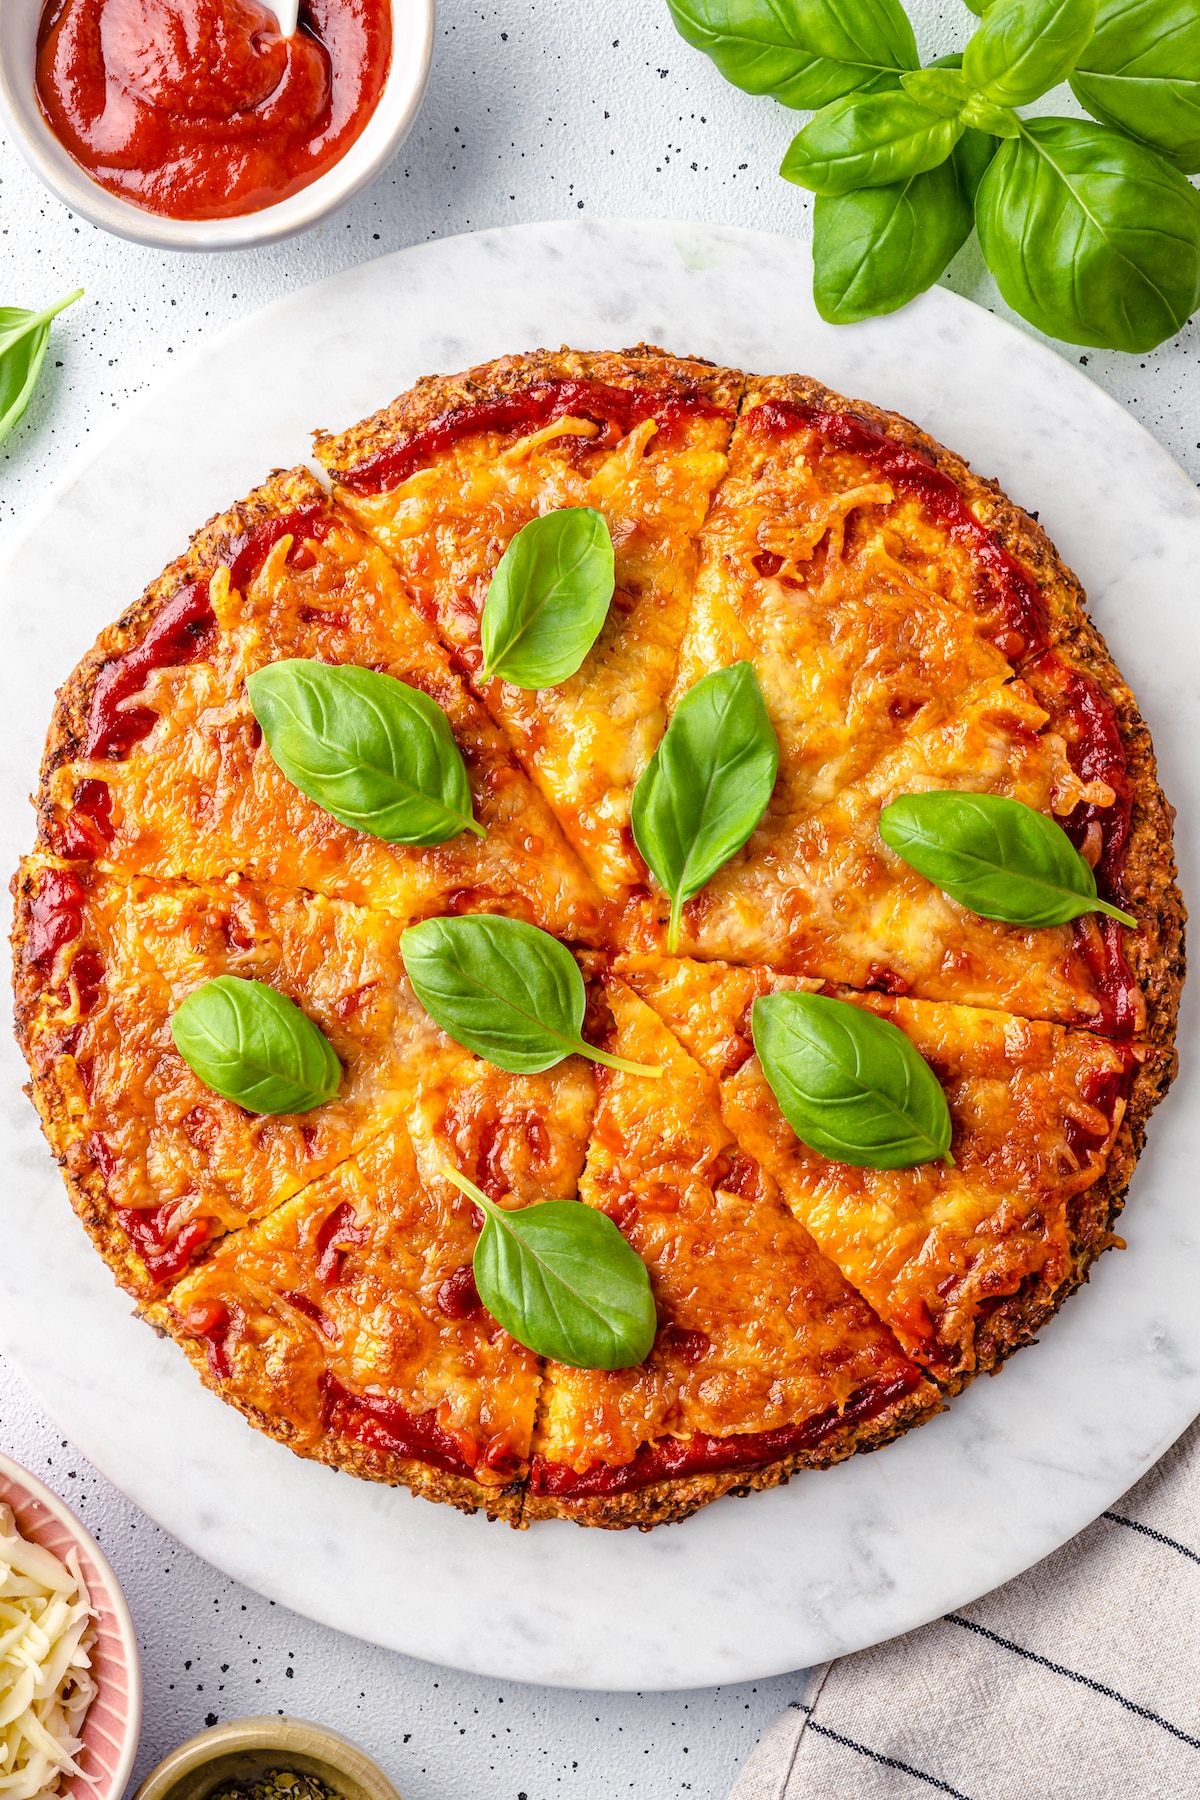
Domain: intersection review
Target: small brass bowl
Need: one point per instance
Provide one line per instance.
(245, 1749)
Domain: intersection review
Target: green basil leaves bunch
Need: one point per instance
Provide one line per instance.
(1091, 230)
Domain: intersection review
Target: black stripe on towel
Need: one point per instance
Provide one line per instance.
(889, 1762)
(1146, 1531)
(1097, 1687)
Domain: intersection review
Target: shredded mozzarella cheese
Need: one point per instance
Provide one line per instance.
(46, 1685)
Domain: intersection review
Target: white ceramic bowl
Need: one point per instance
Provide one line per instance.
(114, 1719)
(389, 125)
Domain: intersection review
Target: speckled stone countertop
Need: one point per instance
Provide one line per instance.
(536, 109)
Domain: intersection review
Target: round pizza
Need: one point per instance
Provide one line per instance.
(617, 948)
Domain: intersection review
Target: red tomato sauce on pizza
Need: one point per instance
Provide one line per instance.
(198, 109)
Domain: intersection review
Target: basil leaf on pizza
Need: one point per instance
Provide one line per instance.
(563, 1281)
(996, 856)
(850, 1084)
(707, 785)
(376, 754)
(251, 1044)
(548, 598)
(504, 989)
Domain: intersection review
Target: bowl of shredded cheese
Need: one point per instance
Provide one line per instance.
(70, 1680)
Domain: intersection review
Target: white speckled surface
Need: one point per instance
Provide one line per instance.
(534, 107)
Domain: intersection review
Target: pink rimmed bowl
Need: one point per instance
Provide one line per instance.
(111, 1728)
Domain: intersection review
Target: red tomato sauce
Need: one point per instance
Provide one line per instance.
(615, 410)
(198, 109)
(1005, 584)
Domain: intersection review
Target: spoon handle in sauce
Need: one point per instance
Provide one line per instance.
(287, 12)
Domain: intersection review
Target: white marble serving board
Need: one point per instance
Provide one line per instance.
(836, 1560)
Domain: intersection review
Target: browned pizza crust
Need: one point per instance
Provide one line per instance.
(1156, 952)
(437, 398)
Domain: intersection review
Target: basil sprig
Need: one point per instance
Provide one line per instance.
(877, 247)
(251, 1044)
(562, 1280)
(706, 786)
(851, 1085)
(548, 598)
(1090, 230)
(376, 754)
(997, 856)
(504, 989)
(23, 340)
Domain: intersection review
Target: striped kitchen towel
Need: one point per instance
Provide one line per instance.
(1080, 1680)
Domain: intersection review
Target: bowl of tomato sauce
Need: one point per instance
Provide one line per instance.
(196, 125)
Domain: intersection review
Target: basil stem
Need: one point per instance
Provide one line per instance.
(504, 989)
(850, 1084)
(706, 786)
(562, 1280)
(23, 340)
(251, 1044)
(548, 598)
(996, 856)
(376, 754)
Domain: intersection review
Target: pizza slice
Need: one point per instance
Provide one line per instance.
(963, 1262)
(159, 1164)
(155, 764)
(898, 615)
(765, 1362)
(347, 1325)
(447, 475)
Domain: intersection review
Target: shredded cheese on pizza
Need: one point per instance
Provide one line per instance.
(47, 1632)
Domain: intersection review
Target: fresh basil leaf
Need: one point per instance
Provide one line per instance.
(878, 248)
(548, 598)
(850, 1084)
(377, 754)
(942, 90)
(1023, 48)
(803, 52)
(23, 340)
(1090, 237)
(562, 1280)
(706, 786)
(985, 115)
(504, 989)
(868, 141)
(1141, 72)
(997, 856)
(251, 1044)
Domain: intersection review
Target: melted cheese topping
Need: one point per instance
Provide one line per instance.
(759, 1329)
(286, 1316)
(928, 1247)
(882, 677)
(587, 740)
(200, 796)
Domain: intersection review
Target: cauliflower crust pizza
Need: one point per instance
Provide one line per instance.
(909, 630)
